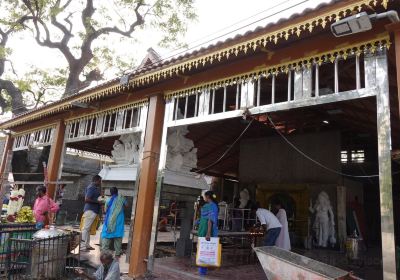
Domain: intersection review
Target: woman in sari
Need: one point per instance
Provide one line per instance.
(208, 224)
(114, 222)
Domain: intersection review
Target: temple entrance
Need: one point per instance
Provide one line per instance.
(320, 163)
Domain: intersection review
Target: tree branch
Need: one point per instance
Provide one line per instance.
(46, 41)
(54, 12)
(127, 33)
(17, 103)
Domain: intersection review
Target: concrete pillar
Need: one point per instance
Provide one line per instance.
(395, 29)
(147, 187)
(55, 157)
(385, 167)
(184, 243)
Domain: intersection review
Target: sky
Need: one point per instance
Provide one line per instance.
(217, 20)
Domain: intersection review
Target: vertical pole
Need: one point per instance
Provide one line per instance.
(237, 96)
(213, 101)
(258, 90)
(161, 170)
(7, 148)
(273, 89)
(186, 106)
(341, 215)
(147, 187)
(5, 165)
(176, 107)
(336, 75)
(224, 102)
(385, 167)
(289, 90)
(196, 104)
(358, 75)
(56, 151)
(397, 51)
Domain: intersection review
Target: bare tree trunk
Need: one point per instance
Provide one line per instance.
(73, 83)
(17, 102)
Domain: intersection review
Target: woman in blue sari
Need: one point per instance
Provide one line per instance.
(208, 224)
(114, 222)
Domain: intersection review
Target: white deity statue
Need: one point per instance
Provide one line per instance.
(126, 149)
(244, 198)
(132, 146)
(324, 223)
(21, 197)
(181, 153)
(13, 204)
(118, 152)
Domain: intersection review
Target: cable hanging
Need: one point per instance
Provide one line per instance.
(316, 162)
(227, 150)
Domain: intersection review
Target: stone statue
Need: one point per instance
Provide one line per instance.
(126, 149)
(244, 198)
(324, 223)
(118, 152)
(16, 201)
(181, 153)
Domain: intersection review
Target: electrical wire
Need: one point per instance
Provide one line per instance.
(206, 42)
(227, 150)
(233, 24)
(171, 54)
(315, 161)
(223, 35)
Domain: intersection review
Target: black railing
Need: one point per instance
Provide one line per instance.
(22, 257)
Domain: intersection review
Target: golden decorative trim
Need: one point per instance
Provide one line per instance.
(329, 56)
(285, 33)
(258, 42)
(114, 109)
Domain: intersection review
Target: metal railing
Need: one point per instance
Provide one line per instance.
(37, 138)
(50, 258)
(238, 219)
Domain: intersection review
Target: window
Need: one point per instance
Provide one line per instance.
(353, 156)
(357, 156)
(343, 157)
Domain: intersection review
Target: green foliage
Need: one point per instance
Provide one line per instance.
(40, 86)
(89, 35)
(4, 52)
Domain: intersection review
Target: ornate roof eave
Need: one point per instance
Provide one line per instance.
(372, 45)
(274, 36)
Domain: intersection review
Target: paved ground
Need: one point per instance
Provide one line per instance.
(239, 264)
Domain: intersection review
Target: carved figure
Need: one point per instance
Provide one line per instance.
(126, 149)
(14, 203)
(181, 153)
(324, 222)
(118, 152)
(244, 198)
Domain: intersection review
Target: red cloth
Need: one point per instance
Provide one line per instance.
(42, 205)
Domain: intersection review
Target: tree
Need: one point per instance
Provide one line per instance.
(81, 30)
(41, 86)
(10, 95)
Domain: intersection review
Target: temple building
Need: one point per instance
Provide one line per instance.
(286, 111)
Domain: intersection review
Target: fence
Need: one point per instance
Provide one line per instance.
(25, 258)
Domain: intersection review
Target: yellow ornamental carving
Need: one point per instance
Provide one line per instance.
(310, 27)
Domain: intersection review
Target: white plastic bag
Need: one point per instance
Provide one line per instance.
(208, 252)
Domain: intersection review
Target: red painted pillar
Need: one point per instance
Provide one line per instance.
(55, 156)
(147, 187)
